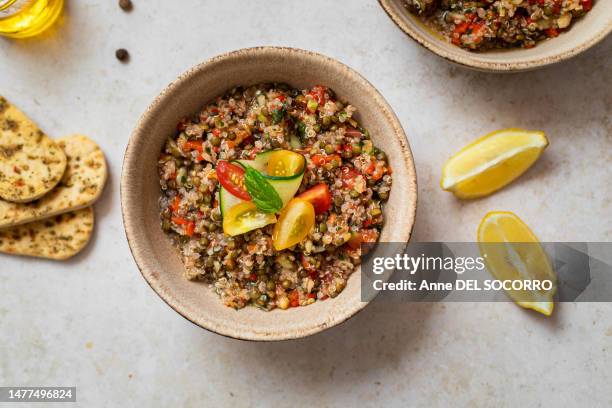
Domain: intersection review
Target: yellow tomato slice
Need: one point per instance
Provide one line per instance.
(295, 222)
(285, 163)
(245, 217)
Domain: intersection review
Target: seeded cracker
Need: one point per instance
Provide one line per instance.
(81, 185)
(58, 238)
(31, 164)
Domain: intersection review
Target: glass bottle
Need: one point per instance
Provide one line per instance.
(27, 18)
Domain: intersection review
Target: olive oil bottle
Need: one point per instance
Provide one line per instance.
(27, 18)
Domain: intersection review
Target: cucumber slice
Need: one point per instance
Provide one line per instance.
(261, 160)
(286, 188)
(259, 166)
(260, 163)
(294, 141)
(227, 200)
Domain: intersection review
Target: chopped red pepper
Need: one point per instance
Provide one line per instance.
(294, 298)
(378, 172)
(371, 167)
(193, 145)
(189, 225)
(321, 159)
(190, 228)
(551, 32)
(366, 235)
(180, 220)
(318, 93)
(175, 204)
(461, 28)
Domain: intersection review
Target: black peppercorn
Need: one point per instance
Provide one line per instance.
(126, 5)
(122, 54)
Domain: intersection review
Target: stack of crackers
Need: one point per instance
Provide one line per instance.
(47, 188)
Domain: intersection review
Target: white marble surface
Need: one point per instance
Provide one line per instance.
(93, 322)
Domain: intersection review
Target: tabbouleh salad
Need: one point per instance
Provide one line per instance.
(486, 24)
(268, 193)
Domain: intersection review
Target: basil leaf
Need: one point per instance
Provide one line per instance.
(261, 191)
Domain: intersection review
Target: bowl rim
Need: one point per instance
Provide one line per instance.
(129, 224)
(470, 61)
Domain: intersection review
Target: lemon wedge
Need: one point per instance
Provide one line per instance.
(512, 252)
(491, 162)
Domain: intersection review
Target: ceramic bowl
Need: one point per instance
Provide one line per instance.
(159, 261)
(583, 34)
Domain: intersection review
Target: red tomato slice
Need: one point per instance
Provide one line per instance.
(231, 178)
(319, 196)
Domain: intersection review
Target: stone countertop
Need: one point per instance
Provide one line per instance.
(93, 322)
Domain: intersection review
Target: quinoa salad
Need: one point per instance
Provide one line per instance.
(269, 192)
(487, 24)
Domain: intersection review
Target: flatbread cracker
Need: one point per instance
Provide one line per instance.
(31, 164)
(58, 238)
(80, 187)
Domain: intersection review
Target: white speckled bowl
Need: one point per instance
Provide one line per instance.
(159, 262)
(583, 34)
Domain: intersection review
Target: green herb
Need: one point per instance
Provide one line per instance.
(261, 191)
(278, 115)
(301, 128)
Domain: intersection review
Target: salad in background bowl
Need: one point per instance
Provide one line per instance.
(503, 35)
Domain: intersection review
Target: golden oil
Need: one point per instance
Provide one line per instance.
(27, 18)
